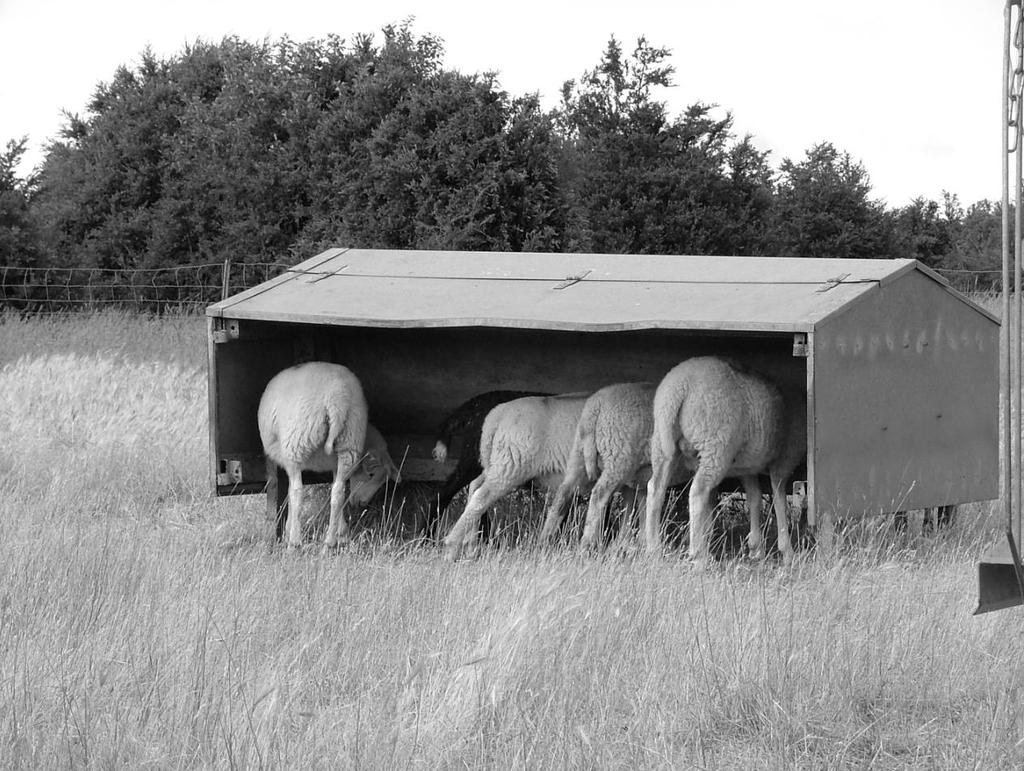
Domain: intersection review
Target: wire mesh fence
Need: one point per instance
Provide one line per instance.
(193, 287)
(183, 287)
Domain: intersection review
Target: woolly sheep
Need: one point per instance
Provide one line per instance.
(612, 445)
(724, 421)
(467, 421)
(375, 468)
(523, 439)
(313, 417)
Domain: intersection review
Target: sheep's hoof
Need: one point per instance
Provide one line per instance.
(452, 551)
(700, 564)
(654, 550)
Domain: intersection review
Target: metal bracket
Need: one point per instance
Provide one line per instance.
(320, 275)
(832, 283)
(241, 469)
(800, 344)
(232, 474)
(226, 331)
(570, 280)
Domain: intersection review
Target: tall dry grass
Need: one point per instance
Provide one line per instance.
(144, 624)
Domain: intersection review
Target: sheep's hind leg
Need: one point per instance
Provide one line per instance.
(464, 533)
(780, 505)
(559, 504)
(755, 538)
(597, 510)
(705, 481)
(337, 527)
(463, 475)
(661, 472)
(294, 524)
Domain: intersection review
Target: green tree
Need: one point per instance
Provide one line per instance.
(641, 182)
(19, 239)
(429, 158)
(976, 252)
(925, 230)
(258, 150)
(823, 208)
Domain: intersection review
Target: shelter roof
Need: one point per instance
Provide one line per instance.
(585, 292)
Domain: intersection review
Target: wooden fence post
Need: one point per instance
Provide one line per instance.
(225, 286)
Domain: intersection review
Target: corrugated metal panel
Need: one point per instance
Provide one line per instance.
(388, 288)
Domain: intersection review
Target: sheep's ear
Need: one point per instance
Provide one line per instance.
(374, 461)
(393, 472)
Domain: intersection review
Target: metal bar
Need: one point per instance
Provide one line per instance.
(225, 287)
(1004, 337)
(1000, 573)
(1018, 287)
(1017, 337)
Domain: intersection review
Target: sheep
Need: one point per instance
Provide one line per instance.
(615, 424)
(523, 439)
(612, 445)
(313, 416)
(724, 420)
(375, 468)
(466, 420)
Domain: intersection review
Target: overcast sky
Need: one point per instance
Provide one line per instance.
(911, 88)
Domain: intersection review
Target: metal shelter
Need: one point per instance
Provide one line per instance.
(899, 371)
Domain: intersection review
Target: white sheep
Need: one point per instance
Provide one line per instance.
(723, 420)
(612, 445)
(375, 468)
(522, 440)
(313, 417)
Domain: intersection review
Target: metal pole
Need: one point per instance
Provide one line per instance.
(1000, 572)
(1004, 338)
(225, 286)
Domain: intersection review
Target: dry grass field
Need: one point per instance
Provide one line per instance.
(144, 624)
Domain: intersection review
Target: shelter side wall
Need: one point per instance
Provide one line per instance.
(905, 402)
(239, 371)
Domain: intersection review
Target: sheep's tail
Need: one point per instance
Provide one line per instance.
(487, 441)
(455, 423)
(668, 401)
(586, 441)
(441, 451)
(348, 424)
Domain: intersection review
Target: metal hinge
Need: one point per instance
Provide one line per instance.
(570, 280)
(800, 344)
(225, 331)
(832, 283)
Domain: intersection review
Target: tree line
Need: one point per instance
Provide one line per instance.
(272, 151)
